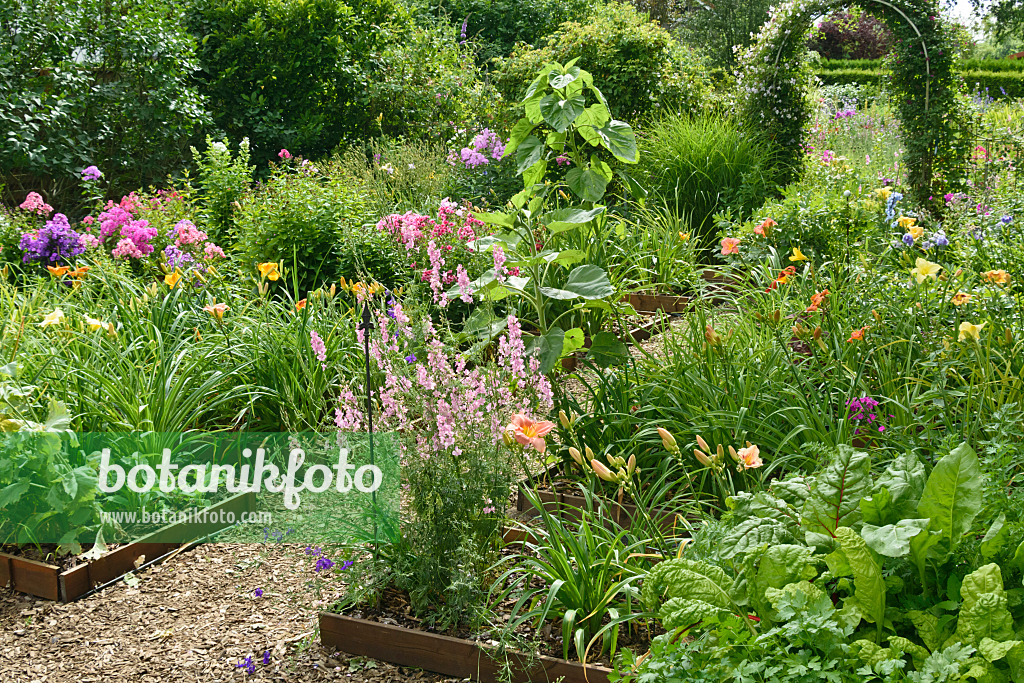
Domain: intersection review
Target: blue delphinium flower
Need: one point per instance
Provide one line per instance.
(940, 239)
(1006, 220)
(266, 657)
(323, 564)
(890, 205)
(247, 664)
(908, 240)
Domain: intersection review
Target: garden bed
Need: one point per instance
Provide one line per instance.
(445, 654)
(652, 303)
(49, 581)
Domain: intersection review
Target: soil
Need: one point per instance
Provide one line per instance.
(194, 618)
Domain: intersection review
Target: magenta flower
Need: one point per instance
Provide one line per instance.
(284, 154)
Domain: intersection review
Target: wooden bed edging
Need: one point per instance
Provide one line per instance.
(47, 581)
(444, 654)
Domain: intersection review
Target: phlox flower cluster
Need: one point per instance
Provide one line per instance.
(485, 147)
(34, 204)
(54, 243)
(442, 402)
(862, 412)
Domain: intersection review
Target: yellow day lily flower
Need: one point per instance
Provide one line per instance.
(797, 255)
(217, 310)
(55, 318)
(997, 277)
(924, 270)
(906, 222)
(961, 298)
(916, 231)
(171, 279)
(269, 271)
(969, 330)
(94, 324)
(883, 193)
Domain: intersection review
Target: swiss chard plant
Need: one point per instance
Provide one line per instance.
(899, 553)
(567, 123)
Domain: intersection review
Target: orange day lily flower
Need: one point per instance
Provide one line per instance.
(299, 305)
(217, 310)
(57, 271)
(79, 272)
(750, 457)
(269, 271)
(857, 335)
(529, 432)
(817, 300)
(765, 227)
(997, 277)
(730, 245)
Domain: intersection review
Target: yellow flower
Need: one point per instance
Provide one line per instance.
(94, 324)
(171, 279)
(217, 310)
(797, 255)
(883, 193)
(917, 232)
(55, 318)
(684, 236)
(960, 298)
(924, 270)
(906, 222)
(269, 271)
(969, 330)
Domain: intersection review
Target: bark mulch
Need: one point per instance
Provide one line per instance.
(193, 618)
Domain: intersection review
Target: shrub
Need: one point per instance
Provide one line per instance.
(91, 82)
(639, 65)
(223, 179)
(704, 164)
(304, 220)
(851, 35)
(496, 26)
(715, 28)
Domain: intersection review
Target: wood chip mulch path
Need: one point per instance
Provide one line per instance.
(193, 618)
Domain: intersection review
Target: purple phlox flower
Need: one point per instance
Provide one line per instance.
(284, 154)
(91, 173)
(53, 243)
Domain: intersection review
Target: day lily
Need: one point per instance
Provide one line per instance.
(300, 304)
(577, 456)
(783, 278)
(95, 324)
(78, 272)
(883, 193)
(55, 318)
(997, 277)
(269, 271)
(924, 270)
(906, 222)
(171, 279)
(602, 471)
(797, 255)
(217, 310)
(969, 330)
(730, 245)
(713, 337)
(750, 457)
(57, 271)
(916, 231)
(817, 300)
(667, 440)
(529, 432)
(857, 335)
(684, 236)
(960, 298)
(765, 227)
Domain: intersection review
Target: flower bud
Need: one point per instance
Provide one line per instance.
(631, 464)
(1008, 336)
(563, 419)
(732, 452)
(817, 333)
(508, 438)
(703, 445)
(667, 440)
(589, 453)
(576, 456)
(702, 458)
(602, 471)
(712, 337)
(721, 454)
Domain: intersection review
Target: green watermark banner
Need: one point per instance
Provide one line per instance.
(73, 489)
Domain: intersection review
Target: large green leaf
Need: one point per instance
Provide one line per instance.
(592, 118)
(952, 496)
(983, 608)
(778, 566)
(893, 540)
(559, 113)
(529, 153)
(618, 138)
(586, 183)
(546, 348)
(590, 282)
(607, 350)
(9, 495)
(904, 478)
(534, 175)
(559, 80)
(869, 586)
(519, 132)
(750, 534)
(568, 218)
(834, 499)
(689, 580)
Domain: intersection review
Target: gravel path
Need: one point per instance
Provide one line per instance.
(193, 618)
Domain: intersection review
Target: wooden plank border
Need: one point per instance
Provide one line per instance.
(444, 654)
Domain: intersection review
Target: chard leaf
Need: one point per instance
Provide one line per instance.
(952, 497)
(869, 586)
(834, 499)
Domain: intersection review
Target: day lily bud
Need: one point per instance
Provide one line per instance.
(589, 453)
(721, 453)
(602, 471)
(631, 464)
(563, 419)
(712, 336)
(507, 437)
(667, 440)
(616, 461)
(817, 333)
(703, 445)
(702, 458)
(1008, 336)
(732, 452)
(878, 318)
(576, 456)
(776, 317)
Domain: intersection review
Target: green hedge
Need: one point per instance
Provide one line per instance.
(998, 85)
(996, 65)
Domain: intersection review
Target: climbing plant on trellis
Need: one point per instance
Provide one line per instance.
(925, 89)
